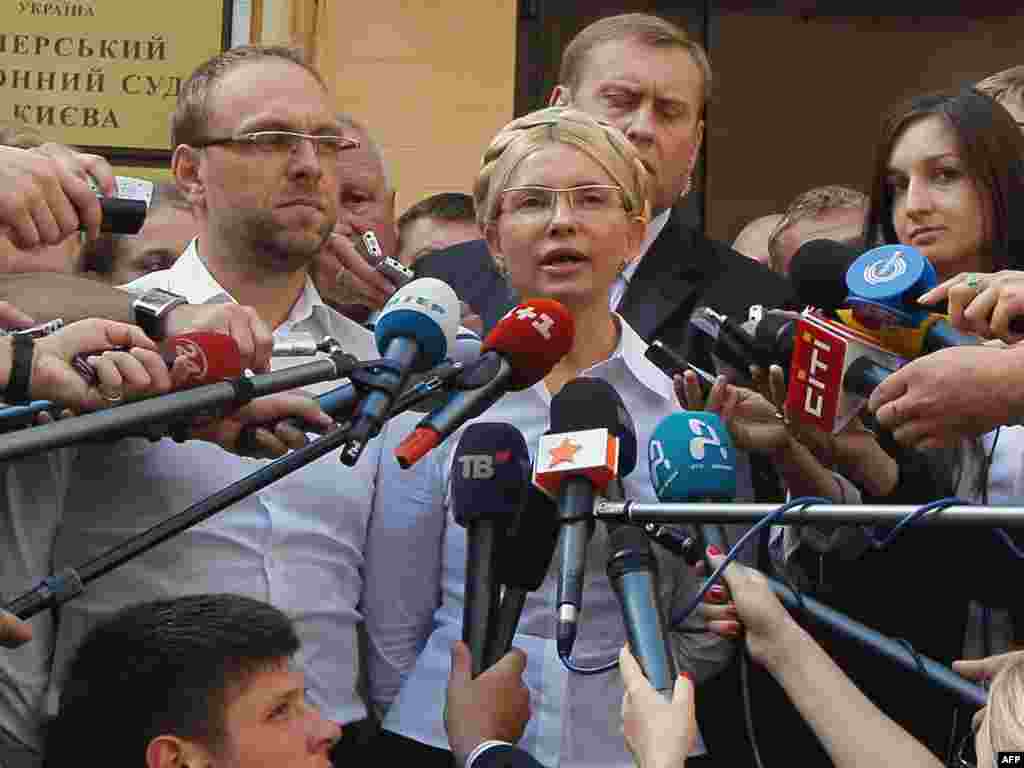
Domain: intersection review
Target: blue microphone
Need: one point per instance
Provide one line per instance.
(490, 479)
(414, 332)
(691, 459)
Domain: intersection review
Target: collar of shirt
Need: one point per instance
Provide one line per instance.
(189, 277)
(653, 230)
(628, 359)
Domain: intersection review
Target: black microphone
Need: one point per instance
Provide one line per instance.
(523, 564)
(633, 572)
(490, 478)
(122, 216)
(585, 449)
(881, 286)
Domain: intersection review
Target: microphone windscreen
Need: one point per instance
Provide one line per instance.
(588, 403)
(209, 356)
(533, 337)
(426, 310)
(524, 560)
(490, 473)
(691, 457)
(818, 273)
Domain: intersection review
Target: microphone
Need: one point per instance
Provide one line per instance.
(881, 288)
(577, 459)
(833, 367)
(490, 479)
(523, 347)
(209, 356)
(523, 564)
(414, 332)
(633, 573)
(122, 216)
(140, 418)
(691, 459)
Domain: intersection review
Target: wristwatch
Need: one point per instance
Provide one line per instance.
(152, 307)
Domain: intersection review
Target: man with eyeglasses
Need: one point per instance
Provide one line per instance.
(257, 153)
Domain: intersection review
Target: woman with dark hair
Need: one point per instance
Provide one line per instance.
(949, 180)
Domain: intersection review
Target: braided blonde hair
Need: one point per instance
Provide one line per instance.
(530, 133)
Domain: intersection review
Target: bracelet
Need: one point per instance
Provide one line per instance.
(22, 348)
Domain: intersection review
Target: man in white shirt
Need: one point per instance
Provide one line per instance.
(258, 148)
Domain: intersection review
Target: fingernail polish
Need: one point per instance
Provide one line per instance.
(685, 675)
(714, 551)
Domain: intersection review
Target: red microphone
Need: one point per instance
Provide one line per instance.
(209, 357)
(527, 343)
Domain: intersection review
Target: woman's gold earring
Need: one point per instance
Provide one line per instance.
(686, 189)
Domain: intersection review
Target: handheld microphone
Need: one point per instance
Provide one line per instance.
(692, 460)
(523, 564)
(209, 356)
(122, 216)
(881, 288)
(414, 332)
(633, 573)
(139, 418)
(490, 479)
(577, 459)
(525, 345)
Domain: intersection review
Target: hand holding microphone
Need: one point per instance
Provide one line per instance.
(990, 305)
(133, 369)
(658, 732)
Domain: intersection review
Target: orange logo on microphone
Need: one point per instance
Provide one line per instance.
(564, 452)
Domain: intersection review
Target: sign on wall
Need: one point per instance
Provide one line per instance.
(104, 74)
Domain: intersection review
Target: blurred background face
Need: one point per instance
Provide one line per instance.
(840, 224)
(426, 235)
(165, 234)
(937, 207)
(569, 254)
(367, 200)
(654, 96)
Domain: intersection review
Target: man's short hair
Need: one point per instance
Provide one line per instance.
(445, 206)
(810, 204)
(1007, 85)
(164, 668)
(641, 28)
(367, 140)
(189, 123)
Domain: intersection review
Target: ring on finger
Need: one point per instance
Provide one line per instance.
(974, 281)
(112, 397)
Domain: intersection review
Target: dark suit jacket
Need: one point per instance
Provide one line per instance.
(505, 756)
(683, 270)
(469, 269)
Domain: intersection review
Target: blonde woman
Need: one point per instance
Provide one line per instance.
(562, 200)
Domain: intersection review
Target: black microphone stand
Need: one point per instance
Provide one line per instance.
(61, 587)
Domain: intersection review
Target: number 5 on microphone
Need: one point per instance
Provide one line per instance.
(699, 442)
